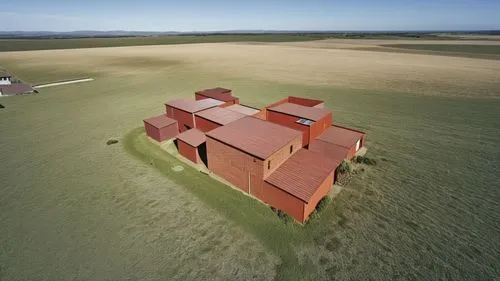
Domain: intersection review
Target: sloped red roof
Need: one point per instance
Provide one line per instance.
(160, 121)
(302, 174)
(218, 93)
(16, 89)
(301, 111)
(336, 152)
(193, 137)
(255, 136)
(341, 136)
(193, 106)
(243, 109)
(220, 115)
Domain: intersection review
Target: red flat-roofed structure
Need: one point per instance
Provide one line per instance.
(191, 145)
(254, 136)
(301, 111)
(161, 128)
(247, 150)
(221, 94)
(350, 139)
(296, 187)
(183, 110)
(311, 121)
(215, 117)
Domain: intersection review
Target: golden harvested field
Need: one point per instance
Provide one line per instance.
(73, 208)
(300, 63)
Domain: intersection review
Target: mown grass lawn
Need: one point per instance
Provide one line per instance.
(458, 48)
(52, 44)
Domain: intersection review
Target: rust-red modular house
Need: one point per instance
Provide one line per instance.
(248, 151)
(161, 128)
(338, 141)
(261, 152)
(221, 94)
(183, 110)
(311, 121)
(191, 145)
(209, 119)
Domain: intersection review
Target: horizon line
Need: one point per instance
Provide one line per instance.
(257, 30)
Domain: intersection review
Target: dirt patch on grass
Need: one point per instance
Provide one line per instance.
(140, 62)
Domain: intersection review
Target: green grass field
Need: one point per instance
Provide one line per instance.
(456, 50)
(53, 44)
(468, 49)
(72, 207)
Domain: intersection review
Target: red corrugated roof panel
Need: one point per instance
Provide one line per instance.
(301, 111)
(160, 121)
(218, 93)
(193, 106)
(243, 109)
(193, 137)
(220, 115)
(341, 136)
(254, 136)
(302, 174)
(330, 150)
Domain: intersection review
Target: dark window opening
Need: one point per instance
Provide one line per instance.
(291, 149)
(269, 164)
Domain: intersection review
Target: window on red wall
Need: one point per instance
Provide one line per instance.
(291, 149)
(269, 164)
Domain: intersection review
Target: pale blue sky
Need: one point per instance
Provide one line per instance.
(198, 15)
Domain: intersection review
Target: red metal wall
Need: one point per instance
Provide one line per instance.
(292, 205)
(284, 201)
(163, 133)
(320, 126)
(305, 102)
(320, 193)
(183, 118)
(289, 121)
(199, 97)
(282, 155)
(227, 103)
(152, 132)
(188, 151)
(241, 169)
(352, 150)
(261, 114)
(244, 170)
(282, 101)
(205, 125)
(169, 132)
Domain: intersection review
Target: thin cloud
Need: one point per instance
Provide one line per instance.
(42, 16)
